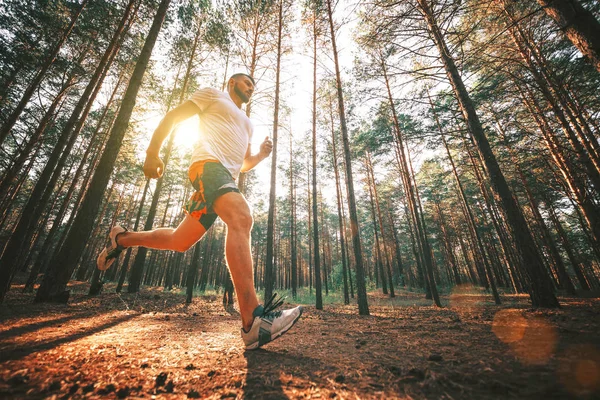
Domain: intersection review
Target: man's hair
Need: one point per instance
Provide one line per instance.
(243, 74)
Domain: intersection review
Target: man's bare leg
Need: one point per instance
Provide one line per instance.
(234, 211)
(189, 231)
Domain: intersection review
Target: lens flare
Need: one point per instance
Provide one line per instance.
(538, 342)
(579, 371)
(532, 340)
(509, 325)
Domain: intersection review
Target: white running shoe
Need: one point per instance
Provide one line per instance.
(111, 252)
(269, 324)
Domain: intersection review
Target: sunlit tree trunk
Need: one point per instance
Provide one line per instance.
(377, 208)
(567, 170)
(361, 289)
(470, 219)
(578, 24)
(563, 277)
(315, 215)
(269, 267)
(65, 260)
(583, 149)
(568, 248)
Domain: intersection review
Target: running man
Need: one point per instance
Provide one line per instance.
(222, 152)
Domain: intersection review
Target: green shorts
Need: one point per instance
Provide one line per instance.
(211, 180)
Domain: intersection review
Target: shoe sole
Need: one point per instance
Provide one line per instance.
(255, 345)
(107, 263)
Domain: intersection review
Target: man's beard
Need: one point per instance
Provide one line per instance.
(245, 98)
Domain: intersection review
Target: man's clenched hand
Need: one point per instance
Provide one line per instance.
(266, 147)
(153, 167)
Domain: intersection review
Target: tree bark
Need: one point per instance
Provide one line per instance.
(361, 289)
(65, 261)
(37, 79)
(269, 267)
(579, 25)
(541, 291)
(315, 214)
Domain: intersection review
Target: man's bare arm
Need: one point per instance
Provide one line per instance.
(153, 165)
(250, 161)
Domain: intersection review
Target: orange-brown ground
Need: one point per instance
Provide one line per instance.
(152, 345)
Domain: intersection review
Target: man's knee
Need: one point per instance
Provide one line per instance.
(180, 244)
(242, 222)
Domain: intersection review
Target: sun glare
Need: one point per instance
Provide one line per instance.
(188, 134)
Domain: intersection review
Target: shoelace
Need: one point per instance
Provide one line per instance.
(270, 306)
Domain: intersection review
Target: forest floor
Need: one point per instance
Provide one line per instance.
(153, 345)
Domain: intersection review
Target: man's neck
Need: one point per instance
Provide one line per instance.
(235, 98)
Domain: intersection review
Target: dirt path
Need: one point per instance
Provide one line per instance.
(153, 345)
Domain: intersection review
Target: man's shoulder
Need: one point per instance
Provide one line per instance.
(208, 91)
(204, 97)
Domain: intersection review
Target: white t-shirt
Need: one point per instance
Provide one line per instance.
(225, 130)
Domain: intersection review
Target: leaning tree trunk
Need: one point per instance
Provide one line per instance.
(579, 24)
(563, 277)
(65, 261)
(361, 288)
(470, 218)
(43, 188)
(541, 290)
(137, 269)
(423, 257)
(37, 79)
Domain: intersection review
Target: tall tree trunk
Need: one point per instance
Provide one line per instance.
(380, 219)
(192, 272)
(541, 291)
(37, 79)
(399, 264)
(361, 289)
(293, 234)
(65, 261)
(568, 248)
(339, 210)
(46, 253)
(269, 268)
(469, 216)
(423, 257)
(579, 24)
(315, 215)
(47, 180)
(563, 277)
